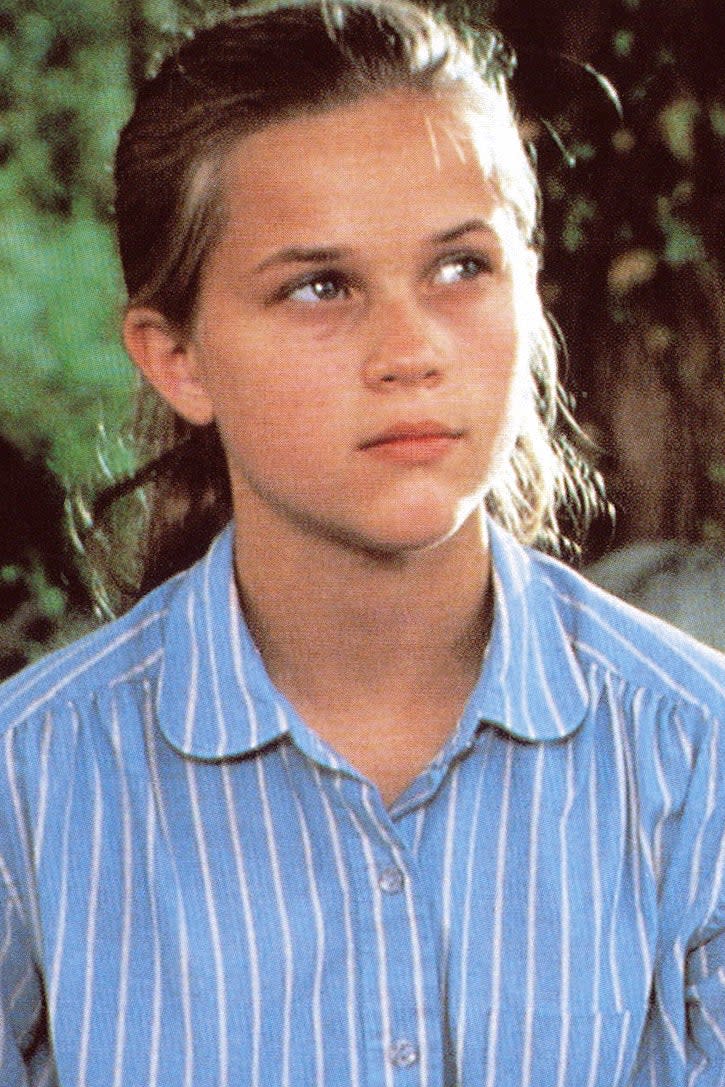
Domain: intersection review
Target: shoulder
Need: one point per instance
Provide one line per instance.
(631, 645)
(84, 670)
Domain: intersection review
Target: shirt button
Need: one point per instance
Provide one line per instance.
(403, 1053)
(391, 880)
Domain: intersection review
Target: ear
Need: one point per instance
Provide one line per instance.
(167, 359)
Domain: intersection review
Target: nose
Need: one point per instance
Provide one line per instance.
(404, 347)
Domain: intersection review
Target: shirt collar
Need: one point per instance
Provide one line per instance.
(531, 683)
(216, 700)
(215, 697)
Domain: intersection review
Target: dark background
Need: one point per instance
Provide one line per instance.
(634, 211)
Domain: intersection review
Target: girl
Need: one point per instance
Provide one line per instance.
(373, 793)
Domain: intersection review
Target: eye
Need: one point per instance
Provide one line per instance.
(322, 287)
(461, 267)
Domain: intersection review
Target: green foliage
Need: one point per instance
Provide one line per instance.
(64, 92)
(62, 363)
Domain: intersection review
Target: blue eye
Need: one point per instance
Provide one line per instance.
(320, 288)
(455, 269)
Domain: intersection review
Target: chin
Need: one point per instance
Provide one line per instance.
(413, 535)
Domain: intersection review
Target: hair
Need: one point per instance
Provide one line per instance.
(255, 67)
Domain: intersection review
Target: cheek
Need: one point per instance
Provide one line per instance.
(271, 422)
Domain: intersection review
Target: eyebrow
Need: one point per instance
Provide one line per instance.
(295, 254)
(471, 226)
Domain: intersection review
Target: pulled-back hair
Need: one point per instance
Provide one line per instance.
(255, 67)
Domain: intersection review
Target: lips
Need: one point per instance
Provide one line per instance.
(413, 442)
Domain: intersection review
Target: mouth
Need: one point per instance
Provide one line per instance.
(413, 443)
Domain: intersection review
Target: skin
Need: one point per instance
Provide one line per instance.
(359, 343)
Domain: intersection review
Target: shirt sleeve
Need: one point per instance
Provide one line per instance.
(705, 996)
(23, 1041)
(24, 1051)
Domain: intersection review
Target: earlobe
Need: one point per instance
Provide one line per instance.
(168, 362)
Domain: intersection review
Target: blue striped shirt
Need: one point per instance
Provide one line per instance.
(196, 890)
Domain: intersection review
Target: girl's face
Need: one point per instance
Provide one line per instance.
(358, 336)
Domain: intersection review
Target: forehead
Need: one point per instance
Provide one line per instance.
(390, 158)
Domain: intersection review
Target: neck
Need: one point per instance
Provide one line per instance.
(330, 620)
(378, 654)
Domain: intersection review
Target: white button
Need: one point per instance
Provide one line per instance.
(391, 880)
(403, 1053)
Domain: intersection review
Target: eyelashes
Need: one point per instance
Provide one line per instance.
(324, 286)
(462, 267)
(329, 285)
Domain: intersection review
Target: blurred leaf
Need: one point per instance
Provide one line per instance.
(622, 43)
(717, 119)
(581, 212)
(683, 244)
(717, 473)
(677, 125)
(631, 269)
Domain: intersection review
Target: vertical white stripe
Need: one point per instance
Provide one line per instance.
(11, 889)
(646, 846)
(449, 843)
(155, 1039)
(666, 795)
(565, 919)
(95, 877)
(718, 876)
(235, 626)
(617, 741)
(127, 892)
(543, 685)
(677, 1042)
(184, 977)
(685, 743)
(636, 853)
(419, 827)
(597, 899)
(252, 946)
(210, 620)
(462, 1022)
(626, 1022)
(497, 949)
(191, 696)
(23, 835)
(382, 955)
(9, 907)
(350, 961)
(58, 951)
(596, 1050)
(531, 928)
(284, 923)
(42, 789)
(319, 937)
(706, 817)
(213, 919)
(597, 915)
(422, 1029)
